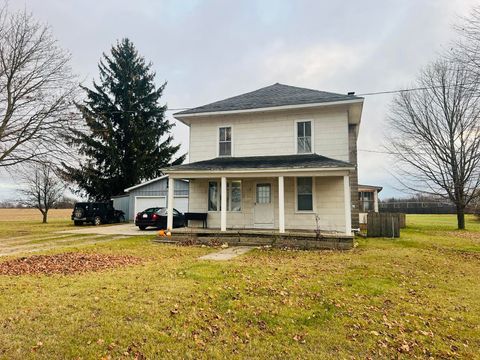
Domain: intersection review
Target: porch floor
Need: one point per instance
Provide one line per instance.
(257, 232)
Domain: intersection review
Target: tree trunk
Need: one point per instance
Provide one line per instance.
(44, 217)
(461, 217)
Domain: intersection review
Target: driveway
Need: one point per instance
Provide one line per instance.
(122, 229)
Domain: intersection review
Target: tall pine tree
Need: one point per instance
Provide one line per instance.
(127, 138)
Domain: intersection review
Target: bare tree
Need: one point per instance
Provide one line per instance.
(435, 135)
(36, 90)
(42, 188)
(466, 48)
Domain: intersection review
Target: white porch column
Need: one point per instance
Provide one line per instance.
(171, 188)
(375, 201)
(223, 205)
(281, 205)
(348, 205)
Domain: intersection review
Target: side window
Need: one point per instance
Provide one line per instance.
(225, 141)
(304, 137)
(304, 194)
(213, 196)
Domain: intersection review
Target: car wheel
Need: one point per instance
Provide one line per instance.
(142, 227)
(97, 221)
(77, 222)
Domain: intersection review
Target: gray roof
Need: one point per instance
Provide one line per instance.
(263, 162)
(270, 96)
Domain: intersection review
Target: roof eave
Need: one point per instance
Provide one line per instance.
(182, 117)
(257, 170)
(145, 183)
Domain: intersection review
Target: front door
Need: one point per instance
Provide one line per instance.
(263, 208)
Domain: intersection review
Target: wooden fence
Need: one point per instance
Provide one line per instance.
(385, 224)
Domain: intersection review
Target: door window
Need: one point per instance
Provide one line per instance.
(264, 193)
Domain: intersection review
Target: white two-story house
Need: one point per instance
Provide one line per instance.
(280, 157)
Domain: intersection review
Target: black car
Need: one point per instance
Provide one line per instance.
(96, 213)
(157, 217)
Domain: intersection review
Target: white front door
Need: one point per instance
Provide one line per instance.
(263, 215)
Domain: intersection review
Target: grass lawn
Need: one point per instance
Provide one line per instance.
(414, 296)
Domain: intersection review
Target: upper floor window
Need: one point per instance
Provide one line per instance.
(304, 137)
(225, 141)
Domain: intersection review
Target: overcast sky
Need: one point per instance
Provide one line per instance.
(210, 50)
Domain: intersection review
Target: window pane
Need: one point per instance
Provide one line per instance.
(305, 203)
(308, 128)
(304, 185)
(307, 144)
(228, 148)
(228, 134)
(225, 149)
(300, 131)
(236, 190)
(212, 196)
(222, 134)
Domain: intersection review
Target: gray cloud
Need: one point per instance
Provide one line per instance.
(209, 50)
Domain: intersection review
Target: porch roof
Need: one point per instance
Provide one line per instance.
(280, 162)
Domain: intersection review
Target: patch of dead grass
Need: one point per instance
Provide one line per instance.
(65, 264)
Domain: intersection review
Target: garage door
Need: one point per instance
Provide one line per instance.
(181, 204)
(145, 202)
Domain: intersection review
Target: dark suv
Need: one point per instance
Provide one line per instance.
(96, 213)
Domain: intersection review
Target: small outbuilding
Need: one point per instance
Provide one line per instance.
(152, 193)
(368, 200)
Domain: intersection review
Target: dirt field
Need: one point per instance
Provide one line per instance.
(32, 214)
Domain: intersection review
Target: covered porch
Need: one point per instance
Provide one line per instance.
(284, 195)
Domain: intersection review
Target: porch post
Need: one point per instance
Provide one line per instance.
(223, 205)
(281, 205)
(171, 186)
(375, 201)
(348, 210)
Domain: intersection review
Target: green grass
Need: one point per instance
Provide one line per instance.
(413, 296)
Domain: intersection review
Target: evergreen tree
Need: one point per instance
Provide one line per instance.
(126, 139)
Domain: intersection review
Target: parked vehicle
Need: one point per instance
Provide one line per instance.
(96, 213)
(157, 217)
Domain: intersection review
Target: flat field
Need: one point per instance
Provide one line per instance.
(32, 214)
(413, 297)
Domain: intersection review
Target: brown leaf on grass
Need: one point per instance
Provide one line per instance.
(37, 346)
(65, 264)
(175, 310)
(300, 338)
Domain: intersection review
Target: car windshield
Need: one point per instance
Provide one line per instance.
(162, 211)
(151, 210)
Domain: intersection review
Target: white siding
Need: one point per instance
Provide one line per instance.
(328, 202)
(271, 134)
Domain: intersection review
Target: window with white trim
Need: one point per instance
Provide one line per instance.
(225, 141)
(304, 137)
(234, 195)
(305, 194)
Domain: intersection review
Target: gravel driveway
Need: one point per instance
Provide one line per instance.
(121, 229)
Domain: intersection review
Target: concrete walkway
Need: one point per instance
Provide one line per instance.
(228, 253)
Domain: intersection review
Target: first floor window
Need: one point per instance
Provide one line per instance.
(234, 195)
(213, 196)
(304, 194)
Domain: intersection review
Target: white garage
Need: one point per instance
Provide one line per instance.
(145, 202)
(151, 194)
